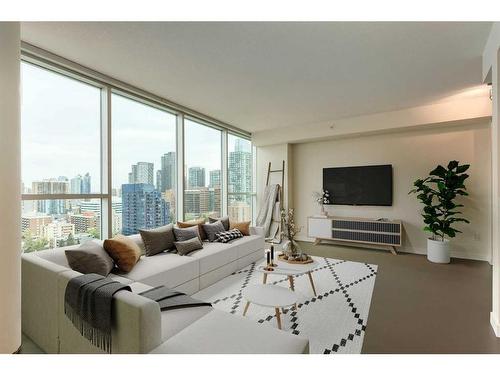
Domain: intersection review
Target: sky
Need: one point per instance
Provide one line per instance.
(61, 132)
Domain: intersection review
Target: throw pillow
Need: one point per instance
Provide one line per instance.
(183, 234)
(224, 220)
(158, 240)
(185, 247)
(244, 227)
(227, 236)
(124, 251)
(192, 223)
(212, 229)
(90, 257)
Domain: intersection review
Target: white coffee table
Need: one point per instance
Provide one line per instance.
(270, 296)
(290, 270)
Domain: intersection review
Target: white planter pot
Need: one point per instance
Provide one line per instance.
(438, 251)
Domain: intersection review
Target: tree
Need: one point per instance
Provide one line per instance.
(31, 244)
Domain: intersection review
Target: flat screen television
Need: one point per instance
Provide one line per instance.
(359, 186)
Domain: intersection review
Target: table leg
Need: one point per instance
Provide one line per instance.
(246, 308)
(264, 278)
(295, 306)
(278, 317)
(312, 282)
(291, 281)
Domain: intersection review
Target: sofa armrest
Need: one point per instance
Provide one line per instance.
(136, 323)
(258, 231)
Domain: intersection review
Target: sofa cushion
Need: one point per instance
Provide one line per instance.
(191, 223)
(243, 227)
(174, 321)
(184, 234)
(90, 257)
(188, 246)
(224, 220)
(212, 229)
(166, 269)
(158, 240)
(124, 252)
(214, 255)
(233, 335)
(247, 245)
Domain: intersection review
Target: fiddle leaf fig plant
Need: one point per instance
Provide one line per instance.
(438, 193)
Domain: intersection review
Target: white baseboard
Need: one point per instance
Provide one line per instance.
(419, 251)
(495, 325)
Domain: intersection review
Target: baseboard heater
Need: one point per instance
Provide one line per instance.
(356, 230)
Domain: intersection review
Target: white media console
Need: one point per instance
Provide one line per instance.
(356, 230)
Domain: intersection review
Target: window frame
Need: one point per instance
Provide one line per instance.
(108, 86)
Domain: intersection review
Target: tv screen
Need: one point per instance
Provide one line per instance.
(363, 186)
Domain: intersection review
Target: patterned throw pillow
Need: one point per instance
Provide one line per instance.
(224, 220)
(227, 236)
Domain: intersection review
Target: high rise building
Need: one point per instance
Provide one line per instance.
(240, 168)
(75, 185)
(86, 221)
(166, 176)
(142, 173)
(86, 184)
(214, 179)
(51, 186)
(196, 177)
(143, 208)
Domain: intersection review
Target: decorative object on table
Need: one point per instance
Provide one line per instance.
(271, 250)
(438, 192)
(269, 263)
(321, 199)
(291, 249)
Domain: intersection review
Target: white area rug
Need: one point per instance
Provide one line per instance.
(334, 321)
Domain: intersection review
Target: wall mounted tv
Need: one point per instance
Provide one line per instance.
(360, 186)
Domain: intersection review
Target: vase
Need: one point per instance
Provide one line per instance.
(291, 249)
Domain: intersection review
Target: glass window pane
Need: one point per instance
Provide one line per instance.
(54, 223)
(144, 166)
(61, 132)
(202, 169)
(239, 177)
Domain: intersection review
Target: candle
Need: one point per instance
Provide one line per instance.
(272, 253)
(268, 255)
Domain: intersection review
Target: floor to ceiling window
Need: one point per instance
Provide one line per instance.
(239, 178)
(144, 165)
(98, 161)
(61, 155)
(202, 170)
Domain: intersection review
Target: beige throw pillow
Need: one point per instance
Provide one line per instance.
(124, 251)
(243, 227)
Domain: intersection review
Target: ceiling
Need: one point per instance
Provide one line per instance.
(259, 76)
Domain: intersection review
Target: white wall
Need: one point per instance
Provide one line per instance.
(413, 154)
(10, 199)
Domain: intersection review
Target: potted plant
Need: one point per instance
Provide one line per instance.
(438, 193)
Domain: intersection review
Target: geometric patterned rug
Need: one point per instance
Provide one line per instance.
(334, 321)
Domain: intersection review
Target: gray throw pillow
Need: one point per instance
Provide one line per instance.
(158, 240)
(187, 246)
(212, 229)
(183, 234)
(224, 220)
(90, 257)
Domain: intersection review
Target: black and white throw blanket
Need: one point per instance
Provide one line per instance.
(87, 303)
(169, 299)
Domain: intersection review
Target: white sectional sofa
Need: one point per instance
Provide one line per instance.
(139, 325)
